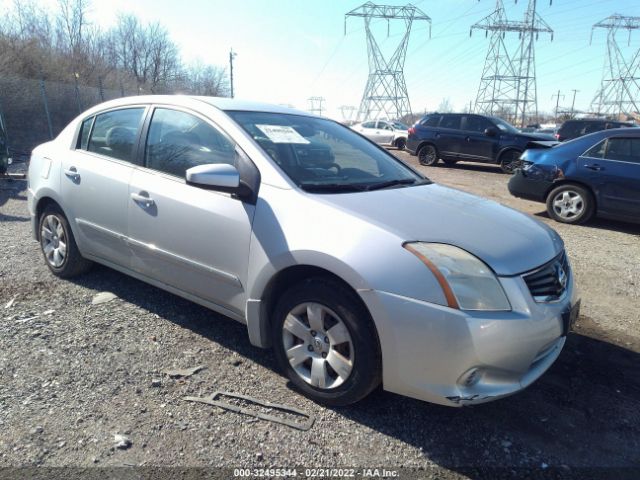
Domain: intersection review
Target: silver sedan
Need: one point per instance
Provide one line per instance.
(385, 133)
(355, 268)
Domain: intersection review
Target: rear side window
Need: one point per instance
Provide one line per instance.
(570, 129)
(450, 121)
(115, 133)
(431, 121)
(178, 141)
(85, 130)
(623, 149)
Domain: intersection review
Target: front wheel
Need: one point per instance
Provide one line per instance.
(428, 155)
(570, 204)
(325, 342)
(510, 161)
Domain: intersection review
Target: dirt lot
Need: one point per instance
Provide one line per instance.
(73, 374)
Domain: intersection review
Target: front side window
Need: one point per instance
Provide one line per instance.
(597, 151)
(369, 125)
(450, 121)
(178, 141)
(322, 156)
(476, 124)
(623, 149)
(115, 133)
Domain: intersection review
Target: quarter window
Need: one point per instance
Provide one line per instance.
(623, 149)
(178, 141)
(115, 133)
(85, 130)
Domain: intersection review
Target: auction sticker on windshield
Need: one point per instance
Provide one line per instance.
(282, 134)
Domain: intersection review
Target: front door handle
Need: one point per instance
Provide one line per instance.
(468, 139)
(143, 200)
(72, 173)
(595, 167)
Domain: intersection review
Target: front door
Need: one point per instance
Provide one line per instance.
(95, 182)
(192, 239)
(477, 145)
(613, 169)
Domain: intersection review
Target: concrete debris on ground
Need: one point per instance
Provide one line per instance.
(103, 297)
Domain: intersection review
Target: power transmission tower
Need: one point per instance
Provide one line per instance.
(315, 105)
(385, 94)
(347, 112)
(508, 83)
(619, 91)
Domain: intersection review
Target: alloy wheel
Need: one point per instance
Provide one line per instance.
(428, 155)
(568, 204)
(318, 345)
(54, 241)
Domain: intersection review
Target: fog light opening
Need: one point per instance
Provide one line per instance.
(470, 378)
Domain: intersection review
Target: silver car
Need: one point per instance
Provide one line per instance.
(354, 267)
(385, 133)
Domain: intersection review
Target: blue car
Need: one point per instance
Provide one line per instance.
(598, 174)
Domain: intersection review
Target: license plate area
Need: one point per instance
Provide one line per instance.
(569, 318)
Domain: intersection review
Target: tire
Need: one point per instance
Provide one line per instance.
(58, 244)
(510, 160)
(401, 143)
(428, 155)
(570, 203)
(353, 345)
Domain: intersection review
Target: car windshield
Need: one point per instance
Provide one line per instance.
(504, 126)
(400, 126)
(323, 156)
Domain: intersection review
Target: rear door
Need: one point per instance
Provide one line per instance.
(477, 145)
(613, 169)
(450, 137)
(189, 238)
(95, 182)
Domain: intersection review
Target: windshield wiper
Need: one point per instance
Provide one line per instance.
(332, 187)
(396, 182)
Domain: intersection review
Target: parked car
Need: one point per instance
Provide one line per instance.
(597, 174)
(385, 133)
(583, 126)
(467, 137)
(341, 262)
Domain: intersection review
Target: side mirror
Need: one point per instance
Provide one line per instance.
(490, 132)
(214, 176)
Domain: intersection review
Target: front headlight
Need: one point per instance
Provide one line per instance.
(467, 282)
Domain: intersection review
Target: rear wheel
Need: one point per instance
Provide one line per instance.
(401, 143)
(58, 245)
(510, 160)
(325, 342)
(428, 155)
(570, 204)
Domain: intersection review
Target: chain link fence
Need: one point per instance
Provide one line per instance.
(36, 111)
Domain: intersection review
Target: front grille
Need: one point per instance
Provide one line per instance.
(549, 282)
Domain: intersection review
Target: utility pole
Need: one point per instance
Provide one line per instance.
(232, 55)
(385, 94)
(619, 91)
(573, 103)
(557, 95)
(315, 105)
(508, 81)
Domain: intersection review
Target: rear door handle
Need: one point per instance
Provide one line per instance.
(143, 200)
(468, 139)
(72, 173)
(595, 167)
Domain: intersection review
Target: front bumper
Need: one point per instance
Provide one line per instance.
(430, 352)
(523, 186)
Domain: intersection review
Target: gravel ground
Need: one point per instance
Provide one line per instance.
(74, 374)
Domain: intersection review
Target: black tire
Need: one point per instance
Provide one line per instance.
(72, 263)
(428, 155)
(365, 374)
(510, 160)
(577, 198)
(401, 143)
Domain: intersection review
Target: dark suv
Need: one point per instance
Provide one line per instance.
(577, 128)
(471, 138)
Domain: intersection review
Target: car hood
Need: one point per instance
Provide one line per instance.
(510, 242)
(536, 136)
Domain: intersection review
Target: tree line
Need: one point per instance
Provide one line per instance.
(65, 46)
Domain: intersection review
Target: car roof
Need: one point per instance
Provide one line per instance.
(596, 120)
(222, 103)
